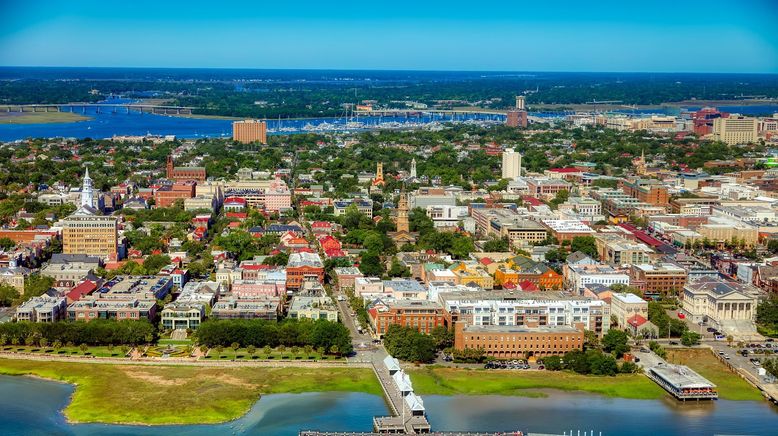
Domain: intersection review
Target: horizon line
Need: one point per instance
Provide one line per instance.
(391, 69)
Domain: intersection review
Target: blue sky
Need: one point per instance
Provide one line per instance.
(546, 35)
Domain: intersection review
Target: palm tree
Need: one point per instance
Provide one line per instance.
(295, 350)
(57, 345)
(44, 342)
(219, 350)
(125, 350)
(335, 350)
(235, 346)
(267, 350)
(29, 341)
(14, 341)
(83, 347)
(251, 350)
(309, 349)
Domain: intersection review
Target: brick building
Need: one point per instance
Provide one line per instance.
(183, 174)
(518, 342)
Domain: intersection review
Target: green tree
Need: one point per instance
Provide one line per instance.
(8, 294)
(586, 245)
(690, 338)
(615, 342)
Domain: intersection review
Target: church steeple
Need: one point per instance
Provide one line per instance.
(87, 191)
(402, 214)
(413, 168)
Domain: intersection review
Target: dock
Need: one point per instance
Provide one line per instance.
(408, 413)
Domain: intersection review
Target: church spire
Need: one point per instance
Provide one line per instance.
(87, 191)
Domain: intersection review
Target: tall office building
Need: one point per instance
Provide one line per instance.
(511, 164)
(248, 131)
(735, 130)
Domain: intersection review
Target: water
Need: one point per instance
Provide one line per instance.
(33, 406)
(116, 121)
(562, 412)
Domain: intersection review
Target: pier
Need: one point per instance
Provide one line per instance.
(408, 413)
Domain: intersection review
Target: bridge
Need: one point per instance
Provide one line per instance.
(100, 108)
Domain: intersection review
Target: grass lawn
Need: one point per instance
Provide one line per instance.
(40, 117)
(242, 354)
(136, 394)
(453, 381)
(97, 351)
(730, 385)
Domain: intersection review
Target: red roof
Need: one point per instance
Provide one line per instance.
(84, 288)
(565, 170)
(486, 261)
(236, 200)
(334, 252)
(509, 285)
(532, 201)
(239, 215)
(321, 224)
(528, 286)
(636, 320)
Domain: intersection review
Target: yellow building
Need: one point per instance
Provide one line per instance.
(85, 232)
(472, 275)
(735, 130)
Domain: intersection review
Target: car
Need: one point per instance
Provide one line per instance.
(645, 350)
(637, 359)
(673, 343)
(711, 329)
(726, 356)
(541, 367)
(681, 315)
(721, 353)
(769, 340)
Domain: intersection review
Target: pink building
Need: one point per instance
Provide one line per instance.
(278, 196)
(256, 288)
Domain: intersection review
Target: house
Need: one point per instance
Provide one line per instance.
(14, 276)
(345, 277)
(303, 267)
(319, 307)
(177, 315)
(625, 305)
(82, 289)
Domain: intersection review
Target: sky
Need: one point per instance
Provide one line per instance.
(547, 35)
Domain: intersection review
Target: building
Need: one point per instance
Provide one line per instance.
(42, 309)
(363, 205)
(303, 307)
(378, 180)
(96, 307)
(625, 305)
(617, 250)
(447, 216)
(735, 130)
(367, 287)
(647, 191)
(420, 315)
(248, 131)
(516, 119)
(532, 309)
(580, 276)
(183, 174)
(727, 305)
(184, 316)
(511, 164)
(566, 230)
(403, 234)
(518, 342)
(346, 277)
(303, 267)
(86, 232)
(682, 382)
(167, 195)
(658, 279)
(267, 308)
(14, 276)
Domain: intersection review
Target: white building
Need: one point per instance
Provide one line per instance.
(511, 164)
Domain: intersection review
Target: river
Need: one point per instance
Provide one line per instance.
(33, 406)
(113, 121)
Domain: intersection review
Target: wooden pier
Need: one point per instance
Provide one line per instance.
(408, 413)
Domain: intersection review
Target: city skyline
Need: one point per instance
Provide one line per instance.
(554, 36)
